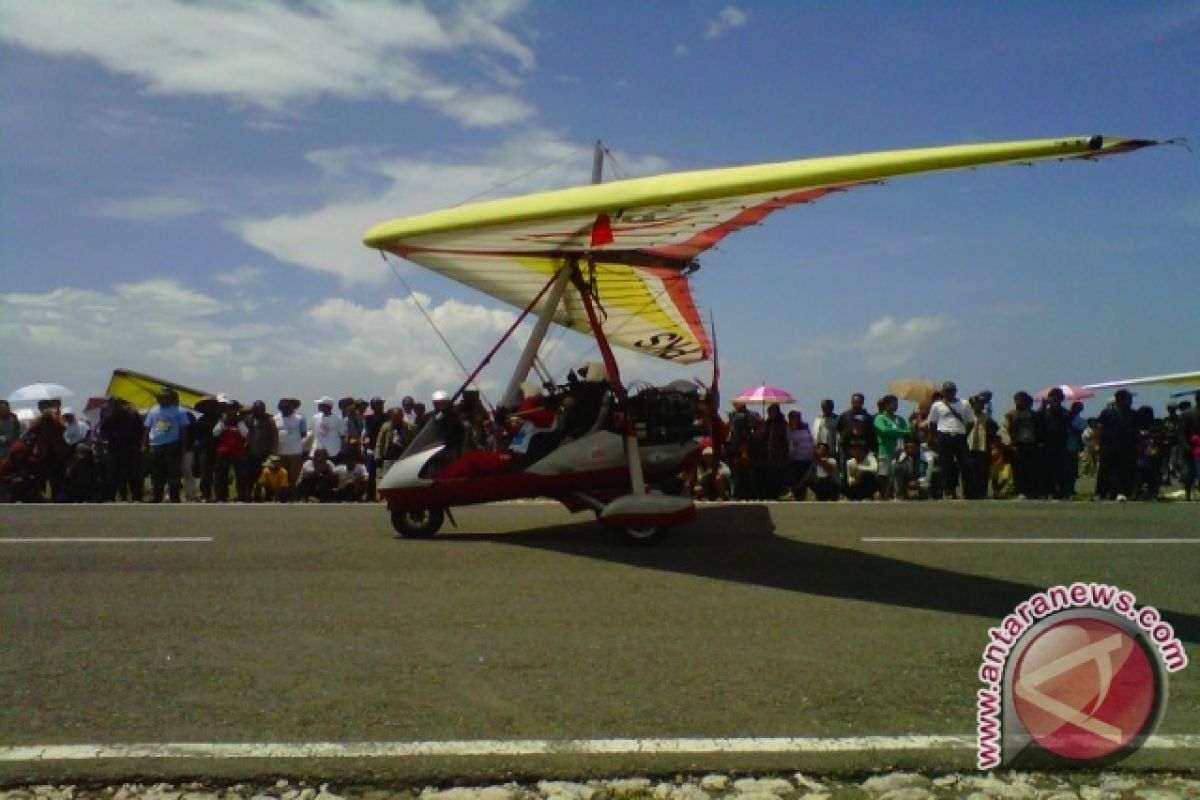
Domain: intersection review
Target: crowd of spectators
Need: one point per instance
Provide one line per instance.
(949, 448)
(220, 450)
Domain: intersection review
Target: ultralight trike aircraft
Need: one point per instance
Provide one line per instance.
(612, 261)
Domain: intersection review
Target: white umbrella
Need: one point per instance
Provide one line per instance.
(39, 391)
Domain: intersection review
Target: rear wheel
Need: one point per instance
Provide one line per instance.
(642, 534)
(421, 524)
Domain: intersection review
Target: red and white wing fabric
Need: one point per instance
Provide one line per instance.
(635, 241)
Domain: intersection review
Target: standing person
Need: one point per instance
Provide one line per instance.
(328, 429)
(949, 420)
(1054, 425)
(801, 449)
(738, 450)
(204, 444)
(374, 418)
(1189, 441)
(165, 426)
(393, 438)
(1075, 430)
(121, 430)
(1117, 430)
(75, 432)
(191, 462)
(46, 435)
(979, 459)
(232, 437)
(891, 430)
(777, 456)
(264, 438)
(824, 427)
(292, 428)
(1024, 435)
(10, 429)
(846, 430)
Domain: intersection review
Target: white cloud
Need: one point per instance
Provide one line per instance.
(165, 328)
(681, 50)
(155, 208)
(729, 17)
(885, 345)
(328, 239)
(333, 346)
(240, 276)
(272, 54)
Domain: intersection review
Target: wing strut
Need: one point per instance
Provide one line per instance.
(558, 286)
(636, 479)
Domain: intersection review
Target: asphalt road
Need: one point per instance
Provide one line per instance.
(313, 624)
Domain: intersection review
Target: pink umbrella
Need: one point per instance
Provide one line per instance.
(765, 395)
(1071, 393)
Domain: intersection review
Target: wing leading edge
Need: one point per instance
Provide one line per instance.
(636, 239)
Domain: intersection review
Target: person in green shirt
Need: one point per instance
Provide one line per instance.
(890, 430)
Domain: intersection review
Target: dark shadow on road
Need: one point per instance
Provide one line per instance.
(739, 543)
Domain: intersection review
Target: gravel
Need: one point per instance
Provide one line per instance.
(892, 786)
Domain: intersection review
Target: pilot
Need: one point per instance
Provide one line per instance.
(449, 426)
(585, 402)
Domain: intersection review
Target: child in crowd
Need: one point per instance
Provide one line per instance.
(274, 483)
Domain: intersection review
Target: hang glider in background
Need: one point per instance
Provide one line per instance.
(1174, 379)
(637, 240)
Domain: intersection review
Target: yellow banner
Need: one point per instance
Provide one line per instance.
(142, 390)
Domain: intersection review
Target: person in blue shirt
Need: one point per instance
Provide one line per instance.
(166, 431)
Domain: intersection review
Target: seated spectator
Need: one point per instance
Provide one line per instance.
(352, 477)
(712, 478)
(1000, 473)
(18, 476)
(82, 483)
(274, 484)
(862, 472)
(318, 479)
(912, 472)
(826, 483)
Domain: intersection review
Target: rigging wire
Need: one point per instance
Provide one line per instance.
(420, 307)
(523, 175)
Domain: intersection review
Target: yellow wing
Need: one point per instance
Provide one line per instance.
(636, 240)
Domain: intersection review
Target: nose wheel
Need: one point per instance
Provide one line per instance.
(641, 535)
(419, 524)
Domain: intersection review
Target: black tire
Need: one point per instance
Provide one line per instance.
(422, 524)
(641, 536)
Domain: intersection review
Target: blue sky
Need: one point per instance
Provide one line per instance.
(185, 185)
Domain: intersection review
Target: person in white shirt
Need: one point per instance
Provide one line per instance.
(862, 473)
(951, 419)
(328, 429)
(292, 429)
(352, 478)
(824, 427)
(77, 430)
(826, 482)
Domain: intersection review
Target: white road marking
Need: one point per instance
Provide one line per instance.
(518, 747)
(103, 539)
(1025, 540)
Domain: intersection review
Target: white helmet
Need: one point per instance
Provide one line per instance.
(439, 395)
